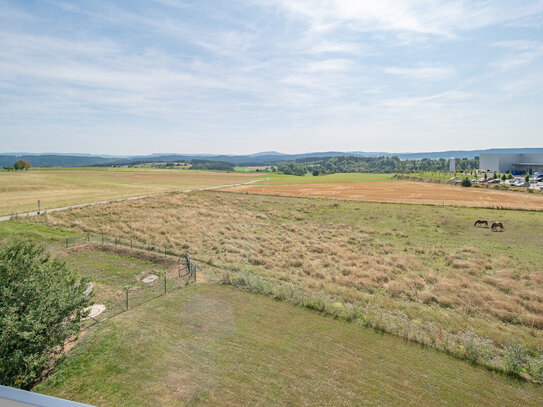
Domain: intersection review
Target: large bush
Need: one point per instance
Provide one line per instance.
(41, 307)
(22, 165)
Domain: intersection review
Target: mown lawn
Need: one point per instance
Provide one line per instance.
(215, 345)
(110, 269)
(282, 179)
(112, 273)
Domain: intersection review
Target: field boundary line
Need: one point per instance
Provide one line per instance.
(130, 198)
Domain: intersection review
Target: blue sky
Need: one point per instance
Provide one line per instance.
(138, 77)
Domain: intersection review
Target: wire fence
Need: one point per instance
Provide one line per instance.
(111, 301)
(124, 242)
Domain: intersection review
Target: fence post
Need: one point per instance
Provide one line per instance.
(102, 239)
(126, 288)
(66, 243)
(165, 274)
(88, 237)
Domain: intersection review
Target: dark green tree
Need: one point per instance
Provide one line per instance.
(41, 307)
(22, 165)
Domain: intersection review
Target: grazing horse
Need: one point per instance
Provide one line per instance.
(497, 226)
(481, 222)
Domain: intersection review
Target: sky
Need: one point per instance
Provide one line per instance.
(238, 77)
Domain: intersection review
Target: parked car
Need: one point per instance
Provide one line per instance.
(454, 179)
(494, 181)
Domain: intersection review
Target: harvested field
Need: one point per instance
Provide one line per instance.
(402, 192)
(20, 191)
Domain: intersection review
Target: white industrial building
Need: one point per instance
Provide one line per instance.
(515, 163)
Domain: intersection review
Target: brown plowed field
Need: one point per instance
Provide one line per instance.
(403, 192)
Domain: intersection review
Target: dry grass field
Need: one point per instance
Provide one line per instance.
(401, 192)
(425, 262)
(58, 187)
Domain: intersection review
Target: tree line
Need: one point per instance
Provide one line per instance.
(332, 165)
(211, 165)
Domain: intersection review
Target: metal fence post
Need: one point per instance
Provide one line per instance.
(88, 237)
(66, 243)
(126, 297)
(102, 238)
(165, 274)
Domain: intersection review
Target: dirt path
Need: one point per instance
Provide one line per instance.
(403, 192)
(63, 208)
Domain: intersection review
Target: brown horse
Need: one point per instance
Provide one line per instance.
(481, 222)
(497, 226)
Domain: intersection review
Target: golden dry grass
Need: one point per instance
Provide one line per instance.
(20, 191)
(427, 262)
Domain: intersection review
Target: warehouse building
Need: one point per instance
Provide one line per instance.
(514, 163)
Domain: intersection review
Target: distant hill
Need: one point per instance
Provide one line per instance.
(54, 160)
(262, 158)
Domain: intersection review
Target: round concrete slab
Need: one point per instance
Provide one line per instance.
(150, 278)
(95, 310)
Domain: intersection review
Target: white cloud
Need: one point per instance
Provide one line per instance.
(329, 65)
(423, 73)
(519, 53)
(438, 17)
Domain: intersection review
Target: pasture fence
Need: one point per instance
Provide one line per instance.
(178, 275)
(131, 243)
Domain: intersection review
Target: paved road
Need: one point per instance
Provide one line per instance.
(131, 198)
